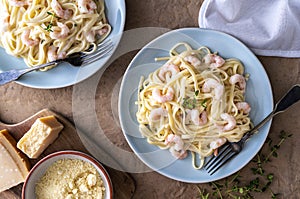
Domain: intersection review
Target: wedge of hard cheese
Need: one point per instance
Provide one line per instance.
(14, 166)
(41, 134)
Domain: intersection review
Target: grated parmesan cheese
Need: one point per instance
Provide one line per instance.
(70, 178)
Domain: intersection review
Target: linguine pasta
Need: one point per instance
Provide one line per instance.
(45, 30)
(195, 102)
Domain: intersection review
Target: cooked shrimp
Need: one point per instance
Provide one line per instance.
(193, 60)
(168, 69)
(18, 3)
(62, 33)
(86, 6)
(197, 118)
(178, 154)
(238, 79)
(213, 60)
(231, 122)
(216, 144)
(90, 36)
(59, 11)
(27, 41)
(52, 54)
(213, 84)
(161, 98)
(157, 113)
(102, 31)
(243, 106)
(176, 146)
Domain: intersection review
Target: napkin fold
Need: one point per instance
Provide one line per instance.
(268, 27)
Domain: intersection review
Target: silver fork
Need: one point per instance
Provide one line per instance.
(75, 59)
(231, 149)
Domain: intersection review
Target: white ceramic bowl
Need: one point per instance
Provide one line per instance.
(28, 191)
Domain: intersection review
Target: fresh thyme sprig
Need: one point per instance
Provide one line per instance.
(203, 193)
(191, 103)
(50, 25)
(203, 103)
(232, 187)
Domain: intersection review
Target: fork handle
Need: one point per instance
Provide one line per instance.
(11, 75)
(290, 98)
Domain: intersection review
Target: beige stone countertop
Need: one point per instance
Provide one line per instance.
(18, 102)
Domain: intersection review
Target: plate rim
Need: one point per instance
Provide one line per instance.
(182, 31)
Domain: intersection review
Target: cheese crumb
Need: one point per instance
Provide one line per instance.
(69, 196)
(83, 188)
(91, 180)
(74, 191)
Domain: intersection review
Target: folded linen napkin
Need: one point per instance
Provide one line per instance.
(268, 27)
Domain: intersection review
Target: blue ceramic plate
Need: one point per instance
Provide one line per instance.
(65, 74)
(258, 94)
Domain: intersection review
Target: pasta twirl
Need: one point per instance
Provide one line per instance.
(45, 30)
(195, 102)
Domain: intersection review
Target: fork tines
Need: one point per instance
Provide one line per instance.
(102, 50)
(216, 162)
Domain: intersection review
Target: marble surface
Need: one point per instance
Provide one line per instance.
(18, 102)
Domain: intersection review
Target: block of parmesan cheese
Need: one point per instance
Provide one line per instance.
(14, 165)
(41, 134)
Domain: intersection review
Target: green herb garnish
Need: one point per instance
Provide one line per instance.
(49, 26)
(51, 14)
(203, 103)
(239, 187)
(189, 103)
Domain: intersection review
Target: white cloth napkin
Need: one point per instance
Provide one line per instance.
(268, 27)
